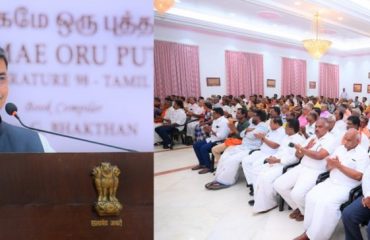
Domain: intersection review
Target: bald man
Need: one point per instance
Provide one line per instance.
(298, 181)
(15, 139)
(346, 165)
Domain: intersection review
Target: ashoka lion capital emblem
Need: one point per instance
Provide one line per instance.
(106, 183)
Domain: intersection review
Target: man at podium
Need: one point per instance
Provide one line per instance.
(12, 138)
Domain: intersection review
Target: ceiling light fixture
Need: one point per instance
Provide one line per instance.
(316, 47)
(163, 6)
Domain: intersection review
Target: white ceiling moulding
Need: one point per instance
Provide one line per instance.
(252, 29)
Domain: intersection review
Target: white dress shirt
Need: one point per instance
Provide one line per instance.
(45, 144)
(366, 183)
(355, 158)
(325, 142)
(310, 129)
(249, 140)
(285, 153)
(178, 116)
(274, 136)
(220, 128)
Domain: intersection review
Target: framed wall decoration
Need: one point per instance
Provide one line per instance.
(357, 87)
(368, 75)
(312, 85)
(271, 83)
(368, 88)
(213, 81)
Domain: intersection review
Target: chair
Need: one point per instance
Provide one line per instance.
(353, 195)
(322, 177)
(176, 134)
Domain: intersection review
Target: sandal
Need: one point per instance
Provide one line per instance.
(209, 184)
(216, 186)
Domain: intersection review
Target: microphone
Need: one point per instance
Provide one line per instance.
(11, 109)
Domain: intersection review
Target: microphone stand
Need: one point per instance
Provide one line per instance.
(76, 138)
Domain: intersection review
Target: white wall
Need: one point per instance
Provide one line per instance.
(355, 70)
(212, 48)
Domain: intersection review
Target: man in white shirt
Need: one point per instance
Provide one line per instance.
(270, 144)
(176, 121)
(298, 181)
(194, 111)
(265, 175)
(344, 94)
(235, 105)
(227, 169)
(346, 166)
(340, 125)
(16, 139)
(218, 132)
(358, 212)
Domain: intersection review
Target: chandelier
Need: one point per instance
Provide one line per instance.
(163, 5)
(316, 47)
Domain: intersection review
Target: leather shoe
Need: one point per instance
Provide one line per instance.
(206, 170)
(295, 213)
(303, 236)
(299, 218)
(197, 167)
(251, 202)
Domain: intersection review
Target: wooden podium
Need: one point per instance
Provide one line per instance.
(51, 196)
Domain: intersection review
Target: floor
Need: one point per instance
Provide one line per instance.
(185, 210)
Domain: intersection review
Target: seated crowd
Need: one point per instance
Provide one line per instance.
(262, 135)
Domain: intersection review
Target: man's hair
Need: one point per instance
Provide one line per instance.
(293, 123)
(276, 109)
(261, 114)
(243, 111)
(208, 105)
(219, 111)
(355, 120)
(179, 103)
(277, 120)
(3, 56)
(314, 115)
(341, 114)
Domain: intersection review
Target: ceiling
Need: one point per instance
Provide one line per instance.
(344, 22)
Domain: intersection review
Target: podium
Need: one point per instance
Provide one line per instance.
(51, 196)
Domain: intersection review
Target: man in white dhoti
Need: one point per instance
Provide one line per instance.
(346, 165)
(227, 169)
(270, 144)
(265, 175)
(297, 182)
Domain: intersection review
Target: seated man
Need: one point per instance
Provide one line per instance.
(176, 121)
(354, 122)
(217, 132)
(309, 129)
(12, 138)
(265, 175)
(270, 145)
(194, 112)
(346, 167)
(227, 169)
(241, 125)
(298, 181)
(358, 212)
